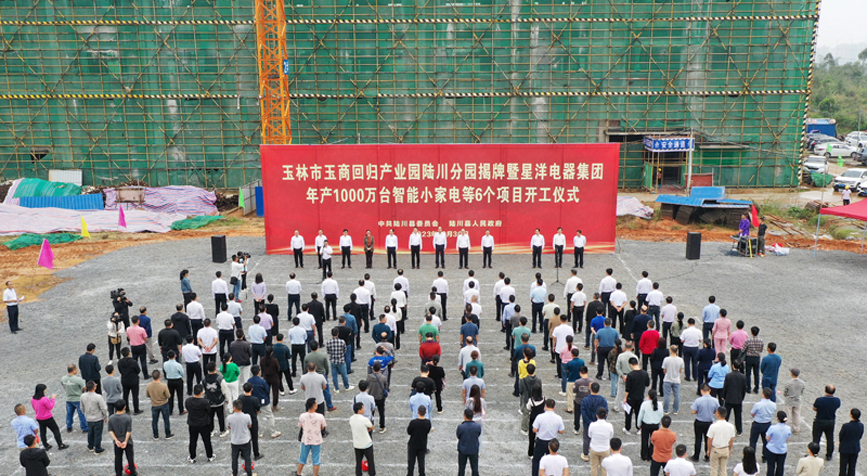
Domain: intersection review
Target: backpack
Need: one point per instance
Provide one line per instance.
(214, 390)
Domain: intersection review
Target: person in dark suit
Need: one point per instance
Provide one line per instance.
(89, 365)
(181, 323)
(317, 310)
(733, 392)
(850, 443)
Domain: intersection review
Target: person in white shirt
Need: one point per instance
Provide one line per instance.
(208, 340)
(471, 278)
(298, 249)
(414, 248)
(487, 249)
(553, 464)
(720, 438)
(320, 242)
(325, 256)
(690, 339)
(11, 299)
(465, 355)
(477, 308)
(236, 274)
(220, 290)
(679, 466)
(569, 289)
(293, 291)
(617, 464)
(498, 286)
(669, 314)
(606, 287)
(537, 243)
(404, 283)
(442, 288)
(654, 303)
(559, 243)
(643, 288)
(471, 293)
(391, 248)
(192, 358)
(196, 312)
(234, 308)
(226, 328)
(600, 433)
(439, 241)
(506, 291)
(371, 288)
(617, 305)
(463, 245)
(579, 242)
(345, 249)
(578, 302)
(331, 293)
(307, 322)
(363, 299)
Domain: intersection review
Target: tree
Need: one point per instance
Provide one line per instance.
(862, 56)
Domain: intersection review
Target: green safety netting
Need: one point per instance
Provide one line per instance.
(32, 239)
(32, 187)
(195, 222)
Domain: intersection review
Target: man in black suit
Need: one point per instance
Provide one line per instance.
(181, 323)
(89, 365)
(590, 313)
(733, 392)
(850, 443)
(317, 310)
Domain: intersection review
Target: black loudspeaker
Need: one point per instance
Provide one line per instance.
(218, 248)
(693, 245)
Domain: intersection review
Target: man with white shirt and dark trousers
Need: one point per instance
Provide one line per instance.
(196, 312)
(487, 250)
(654, 304)
(297, 244)
(679, 466)
(691, 340)
(559, 243)
(319, 242)
(643, 288)
(331, 292)
(439, 241)
(578, 300)
(463, 245)
(325, 254)
(537, 244)
(362, 298)
(569, 289)
(193, 359)
(546, 427)
(220, 290)
(345, 249)
(225, 328)
(606, 287)
(498, 286)
(578, 243)
(414, 249)
(11, 299)
(442, 289)
(668, 313)
(293, 292)
(391, 248)
(617, 306)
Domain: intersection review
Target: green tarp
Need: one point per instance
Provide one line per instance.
(820, 179)
(195, 222)
(32, 187)
(31, 239)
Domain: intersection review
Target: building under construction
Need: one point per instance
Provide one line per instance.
(168, 91)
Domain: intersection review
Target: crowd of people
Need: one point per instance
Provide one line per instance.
(228, 380)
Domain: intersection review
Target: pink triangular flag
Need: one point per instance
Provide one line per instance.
(121, 219)
(46, 256)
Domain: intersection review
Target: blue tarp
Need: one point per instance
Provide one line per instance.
(76, 202)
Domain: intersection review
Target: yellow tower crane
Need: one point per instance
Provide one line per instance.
(273, 84)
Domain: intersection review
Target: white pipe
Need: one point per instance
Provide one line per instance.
(819, 221)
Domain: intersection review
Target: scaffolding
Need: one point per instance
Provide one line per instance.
(169, 94)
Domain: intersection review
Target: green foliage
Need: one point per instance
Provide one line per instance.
(799, 213)
(840, 92)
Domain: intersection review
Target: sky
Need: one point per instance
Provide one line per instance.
(842, 22)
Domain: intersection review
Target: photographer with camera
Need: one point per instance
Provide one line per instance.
(121, 305)
(244, 259)
(235, 277)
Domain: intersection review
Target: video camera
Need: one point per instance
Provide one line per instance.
(117, 293)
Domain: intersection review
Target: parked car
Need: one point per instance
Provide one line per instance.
(836, 149)
(852, 177)
(816, 163)
(814, 139)
(856, 138)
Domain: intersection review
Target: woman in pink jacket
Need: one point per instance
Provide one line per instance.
(722, 329)
(43, 405)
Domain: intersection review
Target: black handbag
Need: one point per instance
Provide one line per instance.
(233, 281)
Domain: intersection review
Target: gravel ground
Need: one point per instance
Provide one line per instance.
(785, 296)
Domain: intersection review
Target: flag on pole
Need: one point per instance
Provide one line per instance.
(46, 257)
(84, 232)
(241, 197)
(754, 216)
(121, 219)
(840, 162)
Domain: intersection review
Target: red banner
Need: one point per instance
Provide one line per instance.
(507, 189)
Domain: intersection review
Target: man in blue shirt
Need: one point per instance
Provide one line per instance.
(419, 399)
(605, 338)
(763, 413)
(298, 341)
(537, 296)
(777, 447)
(826, 413)
(770, 369)
(469, 330)
(257, 335)
(380, 328)
(709, 315)
(589, 406)
(145, 322)
(24, 425)
(703, 408)
(352, 324)
(468, 434)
